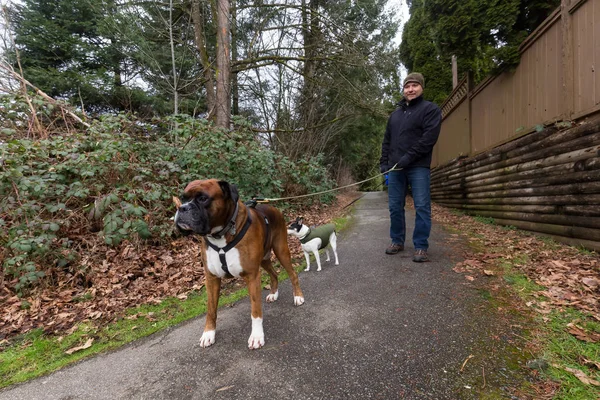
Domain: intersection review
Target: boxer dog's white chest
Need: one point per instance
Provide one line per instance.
(232, 257)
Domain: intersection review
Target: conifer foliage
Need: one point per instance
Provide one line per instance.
(484, 35)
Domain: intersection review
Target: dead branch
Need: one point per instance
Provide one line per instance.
(63, 107)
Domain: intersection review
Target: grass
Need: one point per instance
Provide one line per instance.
(564, 350)
(550, 243)
(35, 353)
(556, 347)
(485, 220)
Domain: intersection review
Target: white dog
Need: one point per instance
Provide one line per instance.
(315, 239)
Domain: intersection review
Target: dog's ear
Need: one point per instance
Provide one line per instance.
(177, 202)
(229, 191)
(299, 220)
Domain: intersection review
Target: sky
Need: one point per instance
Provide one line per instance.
(401, 10)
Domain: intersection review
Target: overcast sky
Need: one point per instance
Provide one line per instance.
(400, 9)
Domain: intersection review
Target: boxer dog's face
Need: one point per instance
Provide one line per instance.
(205, 206)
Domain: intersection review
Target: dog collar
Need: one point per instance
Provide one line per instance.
(230, 226)
(306, 237)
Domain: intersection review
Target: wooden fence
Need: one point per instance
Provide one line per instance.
(523, 147)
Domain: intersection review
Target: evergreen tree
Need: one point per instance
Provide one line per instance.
(419, 52)
(145, 32)
(64, 53)
(484, 35)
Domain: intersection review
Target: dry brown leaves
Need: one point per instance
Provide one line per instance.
(569, 277)
(107, 281)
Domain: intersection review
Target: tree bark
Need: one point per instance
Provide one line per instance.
(223, 98)
(173, 65)
(234, 55)
(308, 98)
(207, 70)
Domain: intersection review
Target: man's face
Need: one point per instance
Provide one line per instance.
(412, 90)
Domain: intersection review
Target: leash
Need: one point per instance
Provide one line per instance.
(260, 200)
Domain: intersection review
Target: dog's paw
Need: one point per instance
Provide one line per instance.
(318, 269)
(337, 263)
(256, 341)
(306, 269)
(298, 300)
(257, 336)
(271, 297)
(208, 338)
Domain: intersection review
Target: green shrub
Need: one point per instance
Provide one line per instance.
(116, 180)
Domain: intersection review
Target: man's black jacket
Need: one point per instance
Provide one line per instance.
(412, 131)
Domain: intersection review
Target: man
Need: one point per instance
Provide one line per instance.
(412, 131)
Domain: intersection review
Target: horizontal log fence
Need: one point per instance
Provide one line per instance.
(546, 182)
(517, 147)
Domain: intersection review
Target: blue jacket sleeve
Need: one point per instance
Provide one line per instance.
(432, 124)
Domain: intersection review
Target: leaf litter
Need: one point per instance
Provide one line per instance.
(566, 275)
(109, 281)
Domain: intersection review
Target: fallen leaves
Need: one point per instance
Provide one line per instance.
(107, 281)
(87, 345)
(582, 334)
(568, 277)
(592, 363)
(579, 375)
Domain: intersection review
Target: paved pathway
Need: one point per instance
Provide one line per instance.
(376, 326)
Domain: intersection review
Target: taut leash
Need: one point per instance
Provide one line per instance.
(260, 200)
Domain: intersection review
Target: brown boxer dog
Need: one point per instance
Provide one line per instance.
(237, 241)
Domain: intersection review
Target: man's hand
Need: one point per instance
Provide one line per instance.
(383, 168)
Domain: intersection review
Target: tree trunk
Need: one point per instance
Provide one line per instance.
(207, 70)
(308, 98)
(174, 66)
(223, 104)
(234, 55)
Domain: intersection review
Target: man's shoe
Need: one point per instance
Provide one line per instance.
(394, 248)
(420, 256)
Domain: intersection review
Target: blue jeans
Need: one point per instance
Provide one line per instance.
(418, 178)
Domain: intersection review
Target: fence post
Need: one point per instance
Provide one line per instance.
(454, 73)
(470, 86)
(567, 58)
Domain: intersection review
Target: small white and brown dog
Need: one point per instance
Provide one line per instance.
(315, 239)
